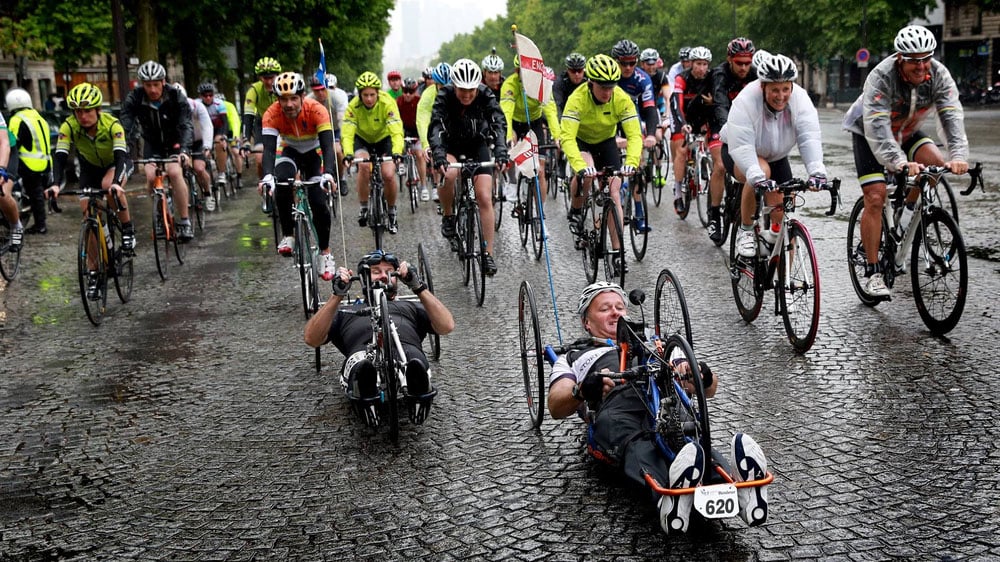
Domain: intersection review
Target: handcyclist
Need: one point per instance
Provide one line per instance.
(884, 124)
(350, 333)
(622, 432)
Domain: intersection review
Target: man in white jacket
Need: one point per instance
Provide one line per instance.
(768, 118)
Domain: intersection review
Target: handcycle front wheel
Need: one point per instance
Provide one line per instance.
(424, 268)
(798, 287)
(693, 404)
(939, 271)
(89, 254)
(532, 357)
(670, 311)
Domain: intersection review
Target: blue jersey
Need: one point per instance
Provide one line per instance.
(640, 88)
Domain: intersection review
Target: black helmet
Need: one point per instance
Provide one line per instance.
(625, 49)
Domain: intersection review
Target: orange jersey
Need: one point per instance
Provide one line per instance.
(301, 133)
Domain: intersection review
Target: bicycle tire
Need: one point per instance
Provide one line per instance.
(661, 172)
(638, 238)
(10, 260)
(690, 186)
(697, 426)
(670, 310)
(523, 208)
(195, 203)
(730, 210)
(536, 226)
(462, 233)
(275, 219)
(938, 243)
(424, 266)
(121, 264)
(799, 287)
(389, 370)
(590, 253)
(742, 273)
(476, 253)
(180, 250)
(532, 357)
(162, 255)
(610, 272)
(306, 265)
(498, 199)
(856, 256)
(377, 213)
(703, 198)
(89, 238)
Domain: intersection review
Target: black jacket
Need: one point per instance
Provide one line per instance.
(167, 127)
(455, 124)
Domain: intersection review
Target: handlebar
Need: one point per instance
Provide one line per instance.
(372, 159)
(795, 185)
(977, 179)
(471, 164)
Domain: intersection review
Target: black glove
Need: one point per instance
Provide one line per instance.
(413, 281)
(340, 287)
(502, 160)
(592, 387)
(440, 163)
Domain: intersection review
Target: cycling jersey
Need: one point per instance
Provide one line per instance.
(659, 80)
(408, 112)
(424, 110)
(374, 124)
(640, 88)
(255, 103)
(102, 150)
(32, 132)
(687, 103)
(725, 87)
(219, 116)
(889, 111)
(301, 133)
(755, 130)
(454, 126)
(202, 123)
(233, 117)
(166, 123)
(584, 119)
(512, 104)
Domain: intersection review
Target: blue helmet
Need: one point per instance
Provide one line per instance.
(442, 74)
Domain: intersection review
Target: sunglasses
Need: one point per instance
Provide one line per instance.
(378, 257)
(575, 70)
(627, 62)
(917, 60)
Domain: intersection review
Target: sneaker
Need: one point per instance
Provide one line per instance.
(448, 226)
(93, 292)
(434, 194)
(425, 194)
(221, 179)
(36, 229)
(715, 229)
(343, 187)
(745, 245)
(750, 465)
(489, 266)
(363, 217)
(286, 246)
(393, 225)
(679, 205)
(329, 267)
(185, 233)
(16, 238)
(876, 286)
(209, 200)
(619, 265)
(686, 471)
(128, 240)
(576, 222)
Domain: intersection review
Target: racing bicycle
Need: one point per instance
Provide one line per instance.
(164, 227)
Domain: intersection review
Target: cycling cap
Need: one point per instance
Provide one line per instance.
(18, 98)
(316, 83)
(740, 46)
(466, 74)
(394, 74)
(684, 53)
(442, 74)
(152, 70)
(289, 84)
(700, 53)
(576, 61)
(493, 63)
(84, 96)
(625, 49)
(649, 56)
(206, 88)
(368, 80)
(759, 57)
(376, 257)
(267, 66)
(590, 293)
(914, 39)
(603, 69)
(777, 68)
(180, 88)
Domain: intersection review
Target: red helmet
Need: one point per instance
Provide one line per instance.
(394, 74)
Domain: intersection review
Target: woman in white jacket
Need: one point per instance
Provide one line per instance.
(769, 117)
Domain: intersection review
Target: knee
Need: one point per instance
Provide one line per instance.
(874, 197)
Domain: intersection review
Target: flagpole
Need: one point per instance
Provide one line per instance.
(336, 163)
(538, 194)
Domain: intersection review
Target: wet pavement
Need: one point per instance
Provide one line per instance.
(192, 424)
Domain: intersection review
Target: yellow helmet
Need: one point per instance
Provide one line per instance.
(368, 80)
(84, 96)
(603, 70)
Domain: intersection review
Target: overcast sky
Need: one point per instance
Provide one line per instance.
(419, 27)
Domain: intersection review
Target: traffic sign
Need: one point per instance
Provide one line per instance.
(862, 57)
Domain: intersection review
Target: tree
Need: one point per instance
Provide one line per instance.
(68, 33)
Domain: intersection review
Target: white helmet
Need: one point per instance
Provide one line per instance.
(758, 58)
(591, 292)
(180, 88)
(331, 81)
(466, 74)
(493, 63)
(914, 39)
(18, 99)
(152, 70)
(700, 53)
(777, 68)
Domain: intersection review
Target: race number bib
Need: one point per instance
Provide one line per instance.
(718, 501)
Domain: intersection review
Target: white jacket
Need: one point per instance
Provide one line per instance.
(202, 123)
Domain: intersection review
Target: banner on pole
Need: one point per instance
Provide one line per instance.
(536, 79)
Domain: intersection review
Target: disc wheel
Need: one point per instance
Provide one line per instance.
(939, 271)
(532, 358)
(610, 220)
(798, 287)
(424, 266)
(742, 272)
(670, 311)
(89, 256)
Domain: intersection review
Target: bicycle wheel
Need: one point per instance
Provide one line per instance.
(798, 287)
(690, 187)
(498, 198)
(425, 273)
(730, 210)
(693, 405)
(89, 254)
(535, 221)
(670, 311)
(704, 185)
(609, 221)
(941, 195)
(856, 257)
(462, 232)
(275, 220)
(661, 172)
(639, 237)
(524, 212)
(162, 255)
(742, 272)
(939, 271)
(476, 252)
(377, 216)
(388, 373)
(532, 357)
(590, 253)
(232, 179)
(305, 262)
(196, 204)
(121, 264)
(179, 249)
(10, 260)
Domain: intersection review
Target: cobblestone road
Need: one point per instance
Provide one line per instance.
(193, 426)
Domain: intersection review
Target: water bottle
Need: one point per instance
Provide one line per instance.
(905, 216)
(768, 237)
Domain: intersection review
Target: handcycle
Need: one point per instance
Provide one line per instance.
(378, 208)
(785, 250)
(599, 225)
(939, 269)
(406, 171)
(469, 241)
(651, 361)
(10, 257)
(164, 227)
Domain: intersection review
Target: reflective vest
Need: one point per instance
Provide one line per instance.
(36, 157)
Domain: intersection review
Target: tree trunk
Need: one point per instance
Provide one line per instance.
(147, 35)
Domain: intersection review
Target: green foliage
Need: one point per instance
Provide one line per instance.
(69, 33)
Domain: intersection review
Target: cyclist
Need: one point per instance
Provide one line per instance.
(589, 124)
(101, 150)
(569, 80)
(465, 122)
(219, 116)
(493, 72)
(303, 126)
(200, 152)
(8, 169)
(690, 110)
(351, 333)
(649, 59)
(512, 102)
(728, 79)
(683, 63)
(335, 101)
(372, 126)
(426, 79)
(165, 117)
(233, 122)
(440, 76)
(637, 84)
(767, 119)
(258, 98)
(407, 104)
(395, 80)
(35, 160)
(885, 121)
(621, 429)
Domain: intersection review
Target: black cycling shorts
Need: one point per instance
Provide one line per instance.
(781, 170)
(869, 169)
(604, 153)
(382, 147)
(477, 151)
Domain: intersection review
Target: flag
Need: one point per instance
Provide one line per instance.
(523, 154)
(533, 74)
(321, 73)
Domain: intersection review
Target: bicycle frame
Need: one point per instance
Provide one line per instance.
(378, 213)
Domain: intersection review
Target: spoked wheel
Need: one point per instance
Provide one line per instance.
(742, 272)
(90, 266)
(196, 205)
(704, 184)
(498, 197)
(377, 218)
(939, 271)
(524, 208)
(590, 253)
(462, 232)
(162, 254)
(532, 357)
(305, 262)
(730, 210)
(180, 250)
(639, 237)
(798, 287)
(566, 186)
(425, 273)
(121, 265)
(475, 254)
(535, 221)
(275, 220)
(10, 260)
(388, 370)
(661, 172)
(613, 272)
(693, 406)
(941, 195)
(670, 312)
(856, 257)
(690, 189)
